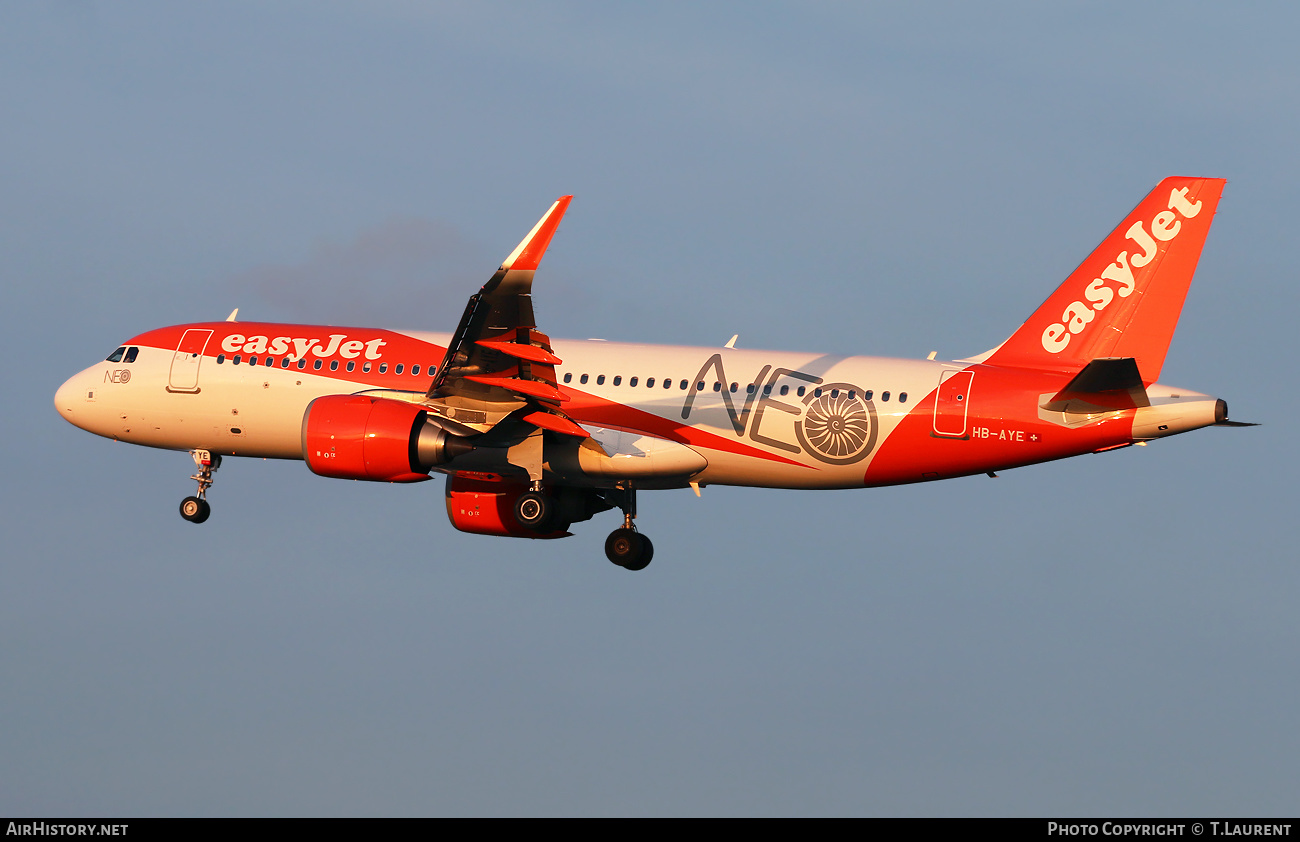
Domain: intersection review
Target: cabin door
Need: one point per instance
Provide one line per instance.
(184, 376)
(951, 403)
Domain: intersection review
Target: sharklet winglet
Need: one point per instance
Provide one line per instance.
(528, 254)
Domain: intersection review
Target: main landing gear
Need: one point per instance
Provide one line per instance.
(534, 510)
(196, 509)
(625, 546)
(542, 512)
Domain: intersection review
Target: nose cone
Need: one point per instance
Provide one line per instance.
(63, 397)
(70, 401)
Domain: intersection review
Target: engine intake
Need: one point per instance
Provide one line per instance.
(487, 507)
(376, 439)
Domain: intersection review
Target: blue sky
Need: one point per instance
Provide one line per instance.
(1109, 635)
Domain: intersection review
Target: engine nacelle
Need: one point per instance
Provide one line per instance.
(486, 507)
(377, 439)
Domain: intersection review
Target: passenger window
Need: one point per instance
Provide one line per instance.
(884, 396)
(902, 397)
(235, 359)
(415, 369)
(785, 390)
(733, 387)
(116, 356)
(749, 390)
(618, 380)
(131, 354)
(649, 382)
(835, 393)
(852, 394)
(583, 379)
(800, 392)
(221, 358)
(817, 393)
(398, 370)
(568, 377)
(682, 386)
(699, 387)
(252, 360)
(302, 364)
(316, 365)
(365, 367)
(270, 362)
(600, 380)
(351, 365)
(284, 363)
(334, 366)
(868, 394)
(383, 368)
(717, 387)
(632, 382)
(433, 369)
(767, 390)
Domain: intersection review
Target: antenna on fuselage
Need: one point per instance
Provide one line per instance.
(731, 343)
(233, 313)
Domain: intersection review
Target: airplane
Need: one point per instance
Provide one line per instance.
(534, 435)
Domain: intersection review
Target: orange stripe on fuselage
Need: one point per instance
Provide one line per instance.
(1003, 430)
(589, 409)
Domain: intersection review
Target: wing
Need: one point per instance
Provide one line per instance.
(498, 365)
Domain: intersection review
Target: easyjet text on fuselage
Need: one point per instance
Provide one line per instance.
(337, 343)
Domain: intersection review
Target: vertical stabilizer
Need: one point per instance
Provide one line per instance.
(1125, 298)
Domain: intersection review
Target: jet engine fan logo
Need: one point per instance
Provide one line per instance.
(839, 424)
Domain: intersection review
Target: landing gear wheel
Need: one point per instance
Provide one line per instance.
(534, 511)
(195, 510)
(629, 549)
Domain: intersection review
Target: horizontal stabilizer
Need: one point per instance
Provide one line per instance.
(1108, 383)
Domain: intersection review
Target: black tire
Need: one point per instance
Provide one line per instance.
(195, 510)
(534, 511)
(647, 554)
(629, 549)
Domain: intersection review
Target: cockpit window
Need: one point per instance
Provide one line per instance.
(131, 354)
(116, 356)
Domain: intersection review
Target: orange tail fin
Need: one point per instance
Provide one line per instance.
(1125, 299)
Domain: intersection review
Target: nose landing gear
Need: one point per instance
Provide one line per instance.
(625, 546)
(196, 509)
